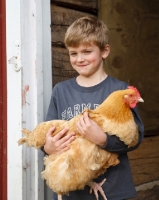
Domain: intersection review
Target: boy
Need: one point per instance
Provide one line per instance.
(87, 42)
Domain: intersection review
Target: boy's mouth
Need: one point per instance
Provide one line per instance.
(81, 65)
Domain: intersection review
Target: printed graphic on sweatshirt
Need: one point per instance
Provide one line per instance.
(70, 112)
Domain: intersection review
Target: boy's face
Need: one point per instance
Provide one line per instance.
(87, 60)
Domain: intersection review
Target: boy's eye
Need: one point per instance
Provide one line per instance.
(73, 54)
(87, 52)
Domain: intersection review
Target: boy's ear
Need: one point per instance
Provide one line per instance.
(106, 51)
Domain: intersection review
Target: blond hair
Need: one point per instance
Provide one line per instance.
(87, 30)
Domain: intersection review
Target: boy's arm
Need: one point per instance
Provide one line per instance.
(91, 131)
(52, 110)
(113, 144)
(58, 143)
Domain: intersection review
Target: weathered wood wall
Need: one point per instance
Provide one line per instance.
(134, 31)
(144, 163)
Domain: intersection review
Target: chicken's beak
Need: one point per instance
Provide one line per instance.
(140, 99)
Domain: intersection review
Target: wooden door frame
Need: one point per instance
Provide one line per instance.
(3, 103)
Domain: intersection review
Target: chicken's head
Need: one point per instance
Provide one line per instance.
(132, 97)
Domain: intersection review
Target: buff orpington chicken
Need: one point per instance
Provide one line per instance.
(85, 161)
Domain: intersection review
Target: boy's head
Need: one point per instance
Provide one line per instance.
(87, 30)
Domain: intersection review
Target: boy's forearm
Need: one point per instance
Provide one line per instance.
(103, 141)
(115, 145)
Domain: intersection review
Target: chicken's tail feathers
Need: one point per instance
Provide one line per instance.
(26, 132)
(24, 139)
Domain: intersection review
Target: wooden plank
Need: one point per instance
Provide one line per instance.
(84, 3)
(58, 34)
(60, 58)
(144, 161)
(64, 16)
(64, 76)
(152, 194)
(64, 73)
(62, 65)
(60, 54)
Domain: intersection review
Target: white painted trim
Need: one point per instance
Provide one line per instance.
(14, 153)
(29, 90)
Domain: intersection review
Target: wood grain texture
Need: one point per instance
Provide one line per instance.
(62, 69)
(84, 3)
(151, 194)
(60, 58)
(144, 161)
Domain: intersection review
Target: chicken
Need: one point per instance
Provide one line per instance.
(85, 161)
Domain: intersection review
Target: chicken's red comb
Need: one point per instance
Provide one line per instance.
(135, 89)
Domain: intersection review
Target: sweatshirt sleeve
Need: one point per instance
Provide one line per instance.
(52, 110)
(113, 144)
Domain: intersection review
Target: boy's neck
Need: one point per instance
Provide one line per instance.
(91, 80)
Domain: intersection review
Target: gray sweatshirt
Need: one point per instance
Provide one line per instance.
(68, 100)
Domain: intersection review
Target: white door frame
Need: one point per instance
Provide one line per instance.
(29, 85)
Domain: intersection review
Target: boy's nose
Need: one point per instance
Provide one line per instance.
(80, 58)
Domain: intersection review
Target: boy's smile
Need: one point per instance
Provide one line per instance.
(87, 60)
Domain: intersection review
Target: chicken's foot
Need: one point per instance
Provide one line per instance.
(95, 187)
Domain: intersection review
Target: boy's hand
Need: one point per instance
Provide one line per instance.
(58, 143)
(90, 130)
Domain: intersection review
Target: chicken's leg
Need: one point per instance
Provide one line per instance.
(59, 197)
(95, 187)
